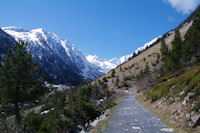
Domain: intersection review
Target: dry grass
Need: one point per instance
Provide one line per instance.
(147, 57)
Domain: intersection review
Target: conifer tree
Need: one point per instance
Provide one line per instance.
(164, 50)
(19, 82)
(113, 73)
(166, 55)
(176, 48)
(192, 38)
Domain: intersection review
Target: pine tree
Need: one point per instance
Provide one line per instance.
(164, 50)
(113, 73)
(191, 45)
(19, 82)
(166, 56)
(117, 81)
(176, 53)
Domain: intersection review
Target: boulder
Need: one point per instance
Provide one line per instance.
(187, 117)
(159, 104)
(181, 93)
(195, 121)
(174, 111)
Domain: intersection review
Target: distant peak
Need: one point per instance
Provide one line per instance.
(38, 30)
(93, 56)
(16, 29)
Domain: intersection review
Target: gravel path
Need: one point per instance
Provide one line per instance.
(132, 117)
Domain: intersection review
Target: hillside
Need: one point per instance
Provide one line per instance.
(167, 84)
(150, 57)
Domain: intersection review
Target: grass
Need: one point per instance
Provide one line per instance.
(172, 85)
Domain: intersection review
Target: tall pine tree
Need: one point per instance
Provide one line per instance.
(19, 82)
(176, 53)
(166, 56)
(164, 50)
(191, 45)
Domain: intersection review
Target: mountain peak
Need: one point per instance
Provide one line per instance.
(55, 54)
(40, 30)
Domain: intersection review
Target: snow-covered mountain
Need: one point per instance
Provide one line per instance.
(107, 65)
(58, 57)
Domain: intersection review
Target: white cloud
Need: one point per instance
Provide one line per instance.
(184, 6)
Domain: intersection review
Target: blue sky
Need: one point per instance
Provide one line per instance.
(107, 28)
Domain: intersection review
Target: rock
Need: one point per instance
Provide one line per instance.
(181, 93)
(196, 120)
(190, 94)
(192, 113)
(184, 102)
(178, 111)
(176, 117)
(167, 129)
(171, 100)
(187, 116)
(181, 114)
(177, 99)
(173, 111)
(191, 124)
(187, 98)
(159, 104)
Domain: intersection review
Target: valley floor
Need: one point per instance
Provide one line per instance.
(131, 117)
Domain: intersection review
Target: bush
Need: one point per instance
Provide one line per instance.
(113, 73)
(33, 122)
(117, 81)
(45, 128)
(105, 79)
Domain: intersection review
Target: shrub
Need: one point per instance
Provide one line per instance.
(105, 79)
(33, 122)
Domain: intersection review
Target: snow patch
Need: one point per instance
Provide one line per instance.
(167, 129)
(136, 128)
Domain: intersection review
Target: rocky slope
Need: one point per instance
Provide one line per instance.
(6, 42)
(173, 96)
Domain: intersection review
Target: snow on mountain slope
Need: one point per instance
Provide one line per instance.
(147, 44)
(104, 65)
(107, 65)
(42, 43)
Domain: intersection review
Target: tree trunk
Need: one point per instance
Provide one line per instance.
(18, 118)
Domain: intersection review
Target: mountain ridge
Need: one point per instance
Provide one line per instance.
(57, 57)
